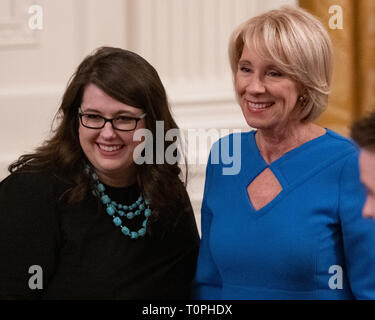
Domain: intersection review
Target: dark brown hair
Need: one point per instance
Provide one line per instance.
(363, 131)
(130, 79)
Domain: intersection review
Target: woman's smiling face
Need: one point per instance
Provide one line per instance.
(267, 97)
(109, 151)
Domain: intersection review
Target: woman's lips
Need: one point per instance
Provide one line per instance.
(258, 106)
(112, 149)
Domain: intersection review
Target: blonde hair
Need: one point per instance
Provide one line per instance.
(297, 43)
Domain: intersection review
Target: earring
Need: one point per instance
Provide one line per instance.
(302, 99)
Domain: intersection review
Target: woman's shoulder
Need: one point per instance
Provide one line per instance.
(234, 141)
(28, 180)
(326, 149)
(235, 135)
(338, 141)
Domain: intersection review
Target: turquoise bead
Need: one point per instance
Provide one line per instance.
(105, 199)
(147, 212)
(117, 221)
(125, 231)
(129, 211)
(111, 210)
(134, 235)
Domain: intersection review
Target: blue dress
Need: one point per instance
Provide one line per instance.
(309, 242)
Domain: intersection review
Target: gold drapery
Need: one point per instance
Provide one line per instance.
(353, 80)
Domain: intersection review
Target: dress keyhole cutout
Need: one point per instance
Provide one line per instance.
(263, 189)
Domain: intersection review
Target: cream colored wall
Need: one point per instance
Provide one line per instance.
(36, 65)
(186, 41)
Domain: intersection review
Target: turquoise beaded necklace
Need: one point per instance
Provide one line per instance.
(120, 212)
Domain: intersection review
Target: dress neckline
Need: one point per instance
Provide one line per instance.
(289, 153)
(123, 194)
(274, 166)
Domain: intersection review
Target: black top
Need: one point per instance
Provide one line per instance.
(82, 254)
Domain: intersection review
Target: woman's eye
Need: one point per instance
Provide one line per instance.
(245, 69)
(93, 116)
(274, 74)
(124, 119)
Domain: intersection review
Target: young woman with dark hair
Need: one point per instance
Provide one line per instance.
(97, 224)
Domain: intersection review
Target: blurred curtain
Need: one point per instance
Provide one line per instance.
(353, 36)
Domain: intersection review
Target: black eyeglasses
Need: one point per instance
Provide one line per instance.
(121, 123)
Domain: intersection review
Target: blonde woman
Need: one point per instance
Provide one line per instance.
(289, 225)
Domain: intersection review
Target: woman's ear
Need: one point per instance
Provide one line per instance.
(302, 98)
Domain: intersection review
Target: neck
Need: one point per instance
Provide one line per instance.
(118, 180)
(274, 143)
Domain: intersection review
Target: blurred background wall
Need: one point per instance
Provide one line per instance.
(185, 40)
(353, 37)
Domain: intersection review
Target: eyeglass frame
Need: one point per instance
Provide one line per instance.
(110, 120)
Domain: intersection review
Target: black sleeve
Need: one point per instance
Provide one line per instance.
(182, 244)
(29, 234)
(169, 262)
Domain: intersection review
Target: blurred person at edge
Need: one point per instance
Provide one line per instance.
(99, 225)
(363, 133)
(289, 224)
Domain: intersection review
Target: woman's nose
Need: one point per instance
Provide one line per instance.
(107, 131)
(255, 85)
